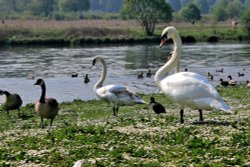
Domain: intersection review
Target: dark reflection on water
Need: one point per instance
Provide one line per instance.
(124, 63)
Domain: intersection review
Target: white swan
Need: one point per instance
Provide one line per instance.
(188, 89)
(116, 95)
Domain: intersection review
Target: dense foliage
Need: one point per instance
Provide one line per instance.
(98, 9)
(246, 21)
(74, 5)
(191, 13)
(148, 13)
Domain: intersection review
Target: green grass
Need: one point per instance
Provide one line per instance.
(86, 130)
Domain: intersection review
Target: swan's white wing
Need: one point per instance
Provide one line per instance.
(188, 85)
(193, 90)
(110, 89)
(118, 94)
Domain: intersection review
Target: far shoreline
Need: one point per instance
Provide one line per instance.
(92, 32)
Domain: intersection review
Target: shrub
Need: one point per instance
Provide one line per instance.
(212, 39)
(246, 21)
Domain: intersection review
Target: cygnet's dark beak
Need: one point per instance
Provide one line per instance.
(163, 41)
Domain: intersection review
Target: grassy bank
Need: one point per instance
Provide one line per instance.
(86, 130)
(30, 32)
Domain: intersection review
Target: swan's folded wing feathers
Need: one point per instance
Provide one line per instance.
(206, 84)
(116, 88)
(122, 91)
(190, 85)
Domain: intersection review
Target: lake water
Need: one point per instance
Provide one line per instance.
(125, 62)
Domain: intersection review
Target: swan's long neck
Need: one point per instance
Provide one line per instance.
(172, 62)
(104, 73)
(42, 98)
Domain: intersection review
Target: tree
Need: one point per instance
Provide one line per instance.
(245, 19)
(175, 4)
(147, 12)
(11, 4)
(39, 7)
(234, 8)
(220, 13)
(74, 5)
(202, 5)
(191, 13)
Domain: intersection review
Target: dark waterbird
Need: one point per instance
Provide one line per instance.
(223, 83)
(241, 74)
(231, 81)
(86, 78)
(149, 73)
(140, 76)
(74, 75)
(220, 70)
(157, 107)
(210, 76)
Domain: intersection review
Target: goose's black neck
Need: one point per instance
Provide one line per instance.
(42, 98)
(6, 93)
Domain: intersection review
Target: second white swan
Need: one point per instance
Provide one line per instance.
(116, 95)
(188, 89)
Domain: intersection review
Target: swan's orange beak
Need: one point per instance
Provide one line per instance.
(163, 41)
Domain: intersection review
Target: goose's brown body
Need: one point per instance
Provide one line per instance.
(47, 110)
(11, 101)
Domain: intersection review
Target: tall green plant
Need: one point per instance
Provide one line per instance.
(220, 13)
(191, 13)
(147, 12)
(246, 21)
(38, 7)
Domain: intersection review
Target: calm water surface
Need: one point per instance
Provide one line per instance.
(56, 65)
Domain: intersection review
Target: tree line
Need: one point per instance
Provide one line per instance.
(55, 9)
(219, 10)
(147, 12)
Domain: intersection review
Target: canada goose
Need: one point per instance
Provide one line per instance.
(223, 83)
(188, 89)
(46, 107)
(240, 74)
(157, 107)
(220, 70)
(210, 76)
(149, 73)
(86, 79)
(74, 75)
(140, 76)
(116, 95)
(11, 101)
(231, 81)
